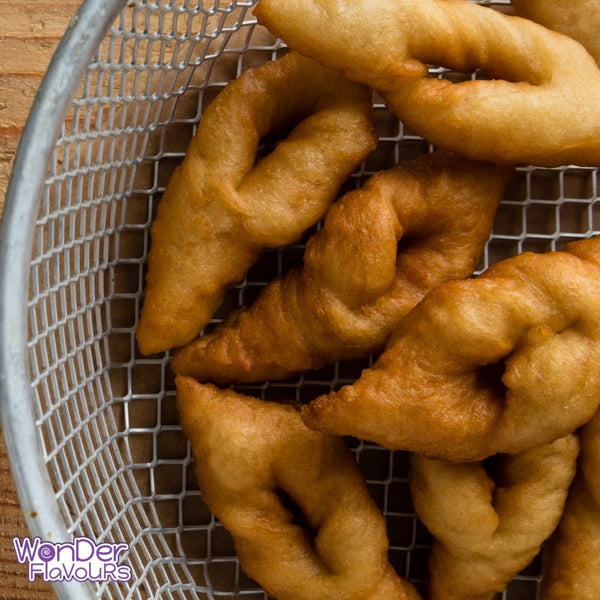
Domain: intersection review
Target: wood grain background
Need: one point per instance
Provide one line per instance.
(29, 33)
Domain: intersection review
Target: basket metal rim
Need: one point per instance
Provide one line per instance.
(83, 36)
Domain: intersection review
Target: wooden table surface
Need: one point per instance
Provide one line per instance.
(29, 33)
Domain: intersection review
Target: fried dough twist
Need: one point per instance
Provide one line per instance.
(541, 104)
(249, 456)
(436, 388)
(487, 527)
(579, 20)
(220, 210)
(572, 560)
(356, 284)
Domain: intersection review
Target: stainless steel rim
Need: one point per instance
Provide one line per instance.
(84, 33)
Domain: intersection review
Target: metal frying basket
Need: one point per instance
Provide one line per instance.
(89, 423)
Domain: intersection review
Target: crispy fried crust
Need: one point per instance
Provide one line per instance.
(220, 211)
(500, 363)
(572, 560)
(540, 105)
(579, 20)
(249, 456)
(355, 284)
(487, 527)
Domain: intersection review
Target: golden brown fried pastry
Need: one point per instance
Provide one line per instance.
(572, 559)
(488, 526)
(579, 20)
(355, 286)
(540, 104)
(254, 460)
(499, 363)
(220, 209)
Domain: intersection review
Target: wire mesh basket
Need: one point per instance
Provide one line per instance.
(90, 423)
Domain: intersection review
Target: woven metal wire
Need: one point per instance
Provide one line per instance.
(120, 467)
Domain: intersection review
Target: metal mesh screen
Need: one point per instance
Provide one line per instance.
(120, 467)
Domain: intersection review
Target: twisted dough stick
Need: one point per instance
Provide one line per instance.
(249, 455)
(436, 390)
(355, 284)
(579, 20)
(572, 561)
(542, 105)
(220, 209)
(488, 527)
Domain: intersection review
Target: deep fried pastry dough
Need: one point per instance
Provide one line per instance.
(541, 104)
(354, 286)
(220, 210)
(487, 527)
(572, 559)
(249, 456)
(436, 388)
(579, 20)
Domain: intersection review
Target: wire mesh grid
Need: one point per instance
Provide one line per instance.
(120, 466)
